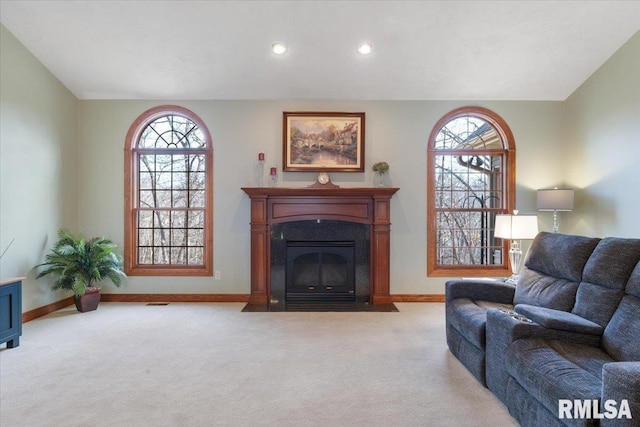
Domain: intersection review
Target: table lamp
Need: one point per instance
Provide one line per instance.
(555, 199)
(515, 228)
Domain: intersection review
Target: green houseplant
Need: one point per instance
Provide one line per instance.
(78, 264)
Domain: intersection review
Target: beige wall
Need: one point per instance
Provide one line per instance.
(395, 131)
(603, 132)
(38, 158)
(45, 129)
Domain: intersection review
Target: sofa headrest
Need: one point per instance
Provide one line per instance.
(633, 285)
(612, 262)
(560, 255)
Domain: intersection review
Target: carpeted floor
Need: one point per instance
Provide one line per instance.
(212, 365)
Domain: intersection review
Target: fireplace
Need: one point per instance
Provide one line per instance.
(367, 209)
(320, 271)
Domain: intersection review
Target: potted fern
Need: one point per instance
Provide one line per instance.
(78, 264)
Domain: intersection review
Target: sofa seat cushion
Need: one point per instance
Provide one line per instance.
(469, 318)
(553, 370)
(559, 320)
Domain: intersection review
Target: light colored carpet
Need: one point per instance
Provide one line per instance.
(211, 365)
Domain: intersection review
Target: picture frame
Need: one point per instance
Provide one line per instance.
(323, 141)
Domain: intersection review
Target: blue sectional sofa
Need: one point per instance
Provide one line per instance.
(565, 340)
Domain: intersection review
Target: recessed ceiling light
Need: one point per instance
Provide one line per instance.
(365, 48)
(278, 48)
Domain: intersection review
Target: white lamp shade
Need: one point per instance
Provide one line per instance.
(516, 227)
(555, 199)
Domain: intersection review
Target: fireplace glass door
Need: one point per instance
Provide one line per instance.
(320, 271)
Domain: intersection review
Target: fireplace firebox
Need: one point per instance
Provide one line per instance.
(320, 271)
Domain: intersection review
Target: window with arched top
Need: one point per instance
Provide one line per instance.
(168, 194)
(471, 178)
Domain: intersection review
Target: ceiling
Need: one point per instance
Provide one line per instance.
(423, 50)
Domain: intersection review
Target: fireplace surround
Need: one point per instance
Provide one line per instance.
(276, 205)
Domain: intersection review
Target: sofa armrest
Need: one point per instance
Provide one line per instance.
(560, 320)
(621, 381)
(480, 289)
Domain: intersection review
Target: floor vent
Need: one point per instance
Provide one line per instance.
(158, 303)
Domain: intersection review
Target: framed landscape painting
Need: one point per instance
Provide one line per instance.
(323, 141)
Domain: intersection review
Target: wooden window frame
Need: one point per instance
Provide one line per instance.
(131, 266)
(509, 191)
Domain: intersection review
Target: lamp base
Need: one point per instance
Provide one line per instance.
(515, 254)
(555, 221)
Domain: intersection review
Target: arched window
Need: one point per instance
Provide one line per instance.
(168, 194)
(471, 178)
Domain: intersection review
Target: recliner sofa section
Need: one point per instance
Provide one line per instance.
(603, 280)
(571, 330)
(543, 371)
(552, 273)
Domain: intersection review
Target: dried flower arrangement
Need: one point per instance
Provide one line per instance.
(380, 167)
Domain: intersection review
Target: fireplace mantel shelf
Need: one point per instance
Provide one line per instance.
(365, 205)
(306, 191)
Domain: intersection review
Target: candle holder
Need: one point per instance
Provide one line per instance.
(258, 171)
(273, 174)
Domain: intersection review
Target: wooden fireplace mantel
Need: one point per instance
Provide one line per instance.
(365, 205)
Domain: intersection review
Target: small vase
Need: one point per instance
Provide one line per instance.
(378, 179)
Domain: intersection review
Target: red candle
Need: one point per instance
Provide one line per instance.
(260, 156)
(273, 171)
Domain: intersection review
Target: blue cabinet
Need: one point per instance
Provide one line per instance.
(11, 312)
